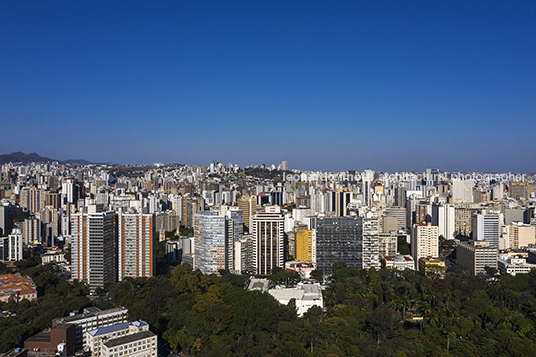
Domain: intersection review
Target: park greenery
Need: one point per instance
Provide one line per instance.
(57, 298)
(367, 313)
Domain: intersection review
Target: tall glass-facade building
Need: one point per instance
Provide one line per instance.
(210, 242)
(338, 239)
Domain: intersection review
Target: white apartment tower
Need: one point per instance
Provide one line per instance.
(15, 245)
(486, 226)
(444, 217)
(136, 246)
(67, 191)
(462, 190)
(371, 242)
(367, 181)
(210, 237)
(424, 241)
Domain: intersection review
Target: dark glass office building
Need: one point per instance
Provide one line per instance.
(339, 238)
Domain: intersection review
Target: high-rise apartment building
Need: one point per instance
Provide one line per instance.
(94, 247)
(136, 245)
(462, 190)
(235, 232)
(210, 237)
(8, 213)
(432, 177)
(241, 252)
(32, 199)
(424, 241)
(306, 245)
(486, 227)
(31, 230)
(342, 198)
(422, 213)
(370, 248)
(15, 245)
(463, 218)
(248, 206)
(497, 192)
(520, 190)
(512, 215)
(71, 191)
(191, 205)
(387, 224)
(367, 179)
(268, 240)
(53, 200)
(387, 244)
(399, 213)
(444, 217)
(167, 221)
(400, 197)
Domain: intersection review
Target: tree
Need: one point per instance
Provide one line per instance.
(99, 291)
(79, 288)
(161, 250)
(403, 246)
(68, 254)
(4, 269)
(380, 322)
(339, 265)
(491, 271)
(317, 274)
(313, 319)
(340, 270)
(169, 234)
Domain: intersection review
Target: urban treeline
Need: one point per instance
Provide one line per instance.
(367, 313)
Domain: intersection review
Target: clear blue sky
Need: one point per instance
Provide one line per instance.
(387, 85)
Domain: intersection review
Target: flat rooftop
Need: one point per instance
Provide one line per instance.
(43, 336)
(128, 338)
(109, 329)
(301, 292)
(258, 284)
(88, 313)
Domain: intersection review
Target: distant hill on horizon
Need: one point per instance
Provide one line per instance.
(19, 156)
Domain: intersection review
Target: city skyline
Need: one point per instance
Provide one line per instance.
(332, 87)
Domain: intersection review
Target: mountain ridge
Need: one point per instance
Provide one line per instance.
(19, 156)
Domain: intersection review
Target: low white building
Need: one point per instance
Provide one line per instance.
(512, 265)
(400, 262)
(306, 296)
(95, 338)
(141, 344)
(90, 319)
(53, 255)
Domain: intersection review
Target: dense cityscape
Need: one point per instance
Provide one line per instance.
(100, 237)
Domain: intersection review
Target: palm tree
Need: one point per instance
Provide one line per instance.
(449, 331)
(405, 304)
(424, 309)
